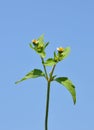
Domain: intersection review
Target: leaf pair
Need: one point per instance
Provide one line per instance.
(62, 80)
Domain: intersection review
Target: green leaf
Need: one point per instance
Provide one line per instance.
(41, 39)
(65, 53)
(32, 74)
(55, 54)
(46, 44)
(50, 62)
(31, 46)
(68, 85)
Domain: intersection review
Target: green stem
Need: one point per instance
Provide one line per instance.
(47, 105)
(44, 68)
(48, 97)
(51, 74)
(49, 79)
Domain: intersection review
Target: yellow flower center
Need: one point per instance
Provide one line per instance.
(35, 41)
(60, 49)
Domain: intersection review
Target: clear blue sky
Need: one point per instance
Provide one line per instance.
(64, 23)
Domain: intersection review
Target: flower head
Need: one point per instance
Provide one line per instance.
(35, 42)
(60, 49)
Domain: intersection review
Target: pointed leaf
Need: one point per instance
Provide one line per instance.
(33, 74)
(68, 85)
(46, 44)
(41, 39)
(55, 54)
(65, 53)
(31, 46)
(50, 62)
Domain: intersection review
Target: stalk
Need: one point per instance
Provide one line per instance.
(48, 97)
(49, 79)
(44, 68)
(47, 105)
(51, 74)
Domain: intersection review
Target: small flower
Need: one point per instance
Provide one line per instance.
(60, 49)
(34, 41)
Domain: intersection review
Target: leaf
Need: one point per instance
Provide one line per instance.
(55, 54)
(46, 44)
(41, 39)
(31, 46)
(68, 85)
(50, 62)
(32, 74)
(65, 53)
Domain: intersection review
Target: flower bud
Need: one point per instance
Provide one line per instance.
(35, 42)
(60, 49)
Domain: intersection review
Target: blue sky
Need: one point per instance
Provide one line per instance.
(64, 23)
